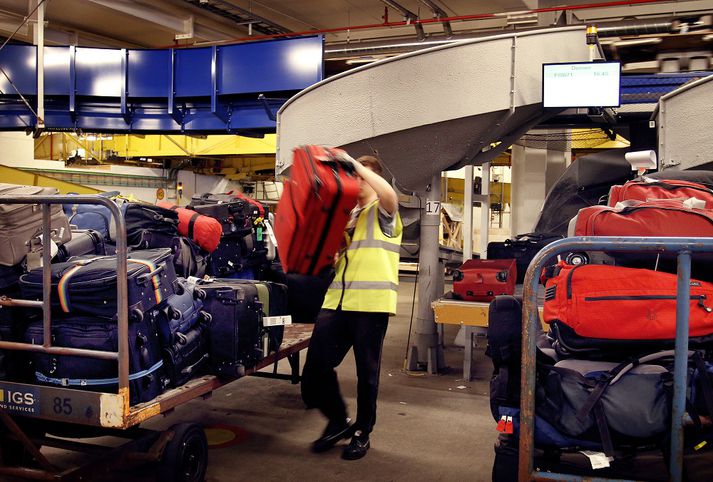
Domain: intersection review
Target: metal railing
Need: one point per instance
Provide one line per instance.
(683, 248)
(122, 355)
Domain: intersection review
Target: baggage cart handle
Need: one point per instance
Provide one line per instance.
(681, 246)
(121, 285)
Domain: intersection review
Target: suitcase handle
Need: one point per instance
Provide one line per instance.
(142, 279)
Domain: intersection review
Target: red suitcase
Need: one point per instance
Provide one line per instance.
(484, 279)
(660, 189)
(314, 209)
(667, 217)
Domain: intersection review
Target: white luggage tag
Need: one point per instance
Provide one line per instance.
(694, 203)
(280, 320)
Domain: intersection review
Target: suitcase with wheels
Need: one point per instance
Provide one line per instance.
(234, 331)
(87, 286)
(180, 312)
(314, 209)
(186, 356)
(484, 279)
(82, 373)
(522, 248)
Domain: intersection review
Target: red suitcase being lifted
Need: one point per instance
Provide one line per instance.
(314, 209)
(484, 279)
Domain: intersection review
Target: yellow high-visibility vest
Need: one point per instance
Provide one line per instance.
(367, 273)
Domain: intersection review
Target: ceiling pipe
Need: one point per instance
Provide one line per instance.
(340, 51)
(480, 16)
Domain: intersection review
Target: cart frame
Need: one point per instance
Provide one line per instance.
(683, 248)
(109, 412)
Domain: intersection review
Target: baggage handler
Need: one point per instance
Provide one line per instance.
(355, 313)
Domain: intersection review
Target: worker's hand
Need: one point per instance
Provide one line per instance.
(346, 158)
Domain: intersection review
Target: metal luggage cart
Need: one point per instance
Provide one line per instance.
(26, 410)
(683, 248)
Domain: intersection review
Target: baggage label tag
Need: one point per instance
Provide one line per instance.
(258, 233)
(270, 233)
(281, 320)
(598, 459)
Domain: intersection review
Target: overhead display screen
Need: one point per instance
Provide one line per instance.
(581, 84)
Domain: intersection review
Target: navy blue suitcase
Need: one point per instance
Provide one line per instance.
(187, 356)
(235, 327)
(87, 286)
(146, 374)
(180, 313)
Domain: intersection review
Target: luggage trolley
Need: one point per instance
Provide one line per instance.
(683, 248)
(27, 410)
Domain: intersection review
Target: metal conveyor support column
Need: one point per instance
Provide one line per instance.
(427, 351)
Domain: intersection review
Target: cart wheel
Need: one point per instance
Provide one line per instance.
(185, 458)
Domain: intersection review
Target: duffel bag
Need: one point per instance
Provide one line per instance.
(87, 286)
(668, 217)
(616, 303)
(646, 189)
(204, 230)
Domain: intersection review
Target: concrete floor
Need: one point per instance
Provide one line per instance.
(429, 427)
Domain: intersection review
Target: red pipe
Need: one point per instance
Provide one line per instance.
(479, 16)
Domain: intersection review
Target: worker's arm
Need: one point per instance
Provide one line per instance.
(388, 199)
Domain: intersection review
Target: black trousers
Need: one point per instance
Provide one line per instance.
(335, 332)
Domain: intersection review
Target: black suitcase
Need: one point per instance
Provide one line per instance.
(150, 239)
(227, 258)
(522, 249)
(234, 331)
(273, 297)
(83, 242)
(88, 285)
(145, 362)
(187, 356)
(180, 313)
(232, 215)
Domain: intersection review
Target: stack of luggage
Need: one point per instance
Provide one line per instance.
(604, 371)
(242, 251)
(181, 323)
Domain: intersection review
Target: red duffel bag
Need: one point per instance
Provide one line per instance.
(665, 217)
(616, 303)
(204, 230)
(660, 189)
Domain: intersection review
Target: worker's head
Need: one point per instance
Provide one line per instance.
(373, 164)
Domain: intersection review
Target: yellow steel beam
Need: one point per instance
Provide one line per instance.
(18, 176)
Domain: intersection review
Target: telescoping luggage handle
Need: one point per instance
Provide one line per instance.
(684, 247)
(122, 355)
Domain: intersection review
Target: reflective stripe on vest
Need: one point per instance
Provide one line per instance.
(367, 273)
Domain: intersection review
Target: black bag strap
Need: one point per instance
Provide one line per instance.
(705, 382)
(191, 224)
(607, 445)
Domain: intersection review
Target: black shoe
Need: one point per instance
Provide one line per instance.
(334, 432)
(357, 447)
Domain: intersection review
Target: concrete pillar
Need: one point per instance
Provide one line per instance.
(485, 211)
(426, 350)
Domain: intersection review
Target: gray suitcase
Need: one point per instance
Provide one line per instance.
(20, 224)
